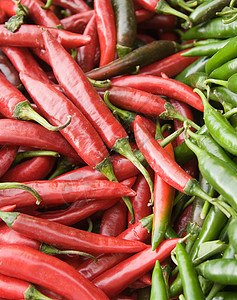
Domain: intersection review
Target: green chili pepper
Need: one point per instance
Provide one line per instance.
(224, 55)
(126, 25)
(232, 233)
(158, 288)
(213, 224)
(205, 12)
(207, 49)
(191, 286)
(225, 71)
(197, 80)
(197, 66)
(220, 92)
(225, 296)
(214, 28)
(221, 270)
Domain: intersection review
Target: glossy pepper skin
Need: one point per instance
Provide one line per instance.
(66, 237)
(191, 286)
(47, 271)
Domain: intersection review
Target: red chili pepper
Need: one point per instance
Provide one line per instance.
(21, 58)
(86, 54)
(137, 232)
(141, 200)
(146, 38)
(41, 53)
(75, 6)
(13, 288)
(33, 169)
(40, 16)
(48, 271)
(14, 132)
(116, 279)
(61, 192)
(183, 220)
(80, 210)
(136, 100)
(162, 86)
(160, 21)
(65, 237)
(163, 164)
(171, 65)
(79, 133)
(9, 7)
(89, 102)
(7, 156)
(143, 15)
(3, 16)
(114, 220)
(31, 36)
(77, 22)
(106, 30)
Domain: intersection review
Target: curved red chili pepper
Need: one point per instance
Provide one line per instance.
(136, 100)
(137, 232)
(7, 156)
(141, 200)
(85, 97)
(80, 210)
(86, 54)
(65, 237)
(9, 7)
(75, 6)
(15, 132)
(8, 70)
(171, 65)
(116, 279)
(114, 220)
(21, 58)
(40, 16)
(55, 106)
(106, 30)
(33, 169)
(31, 36)
(48, 271)
(61, 192)
(162, 86)
(77, 22)
(159, 160)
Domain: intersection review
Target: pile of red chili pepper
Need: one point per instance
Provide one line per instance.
(118, 134)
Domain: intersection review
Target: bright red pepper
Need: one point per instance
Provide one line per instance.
(61, 192)
(171, 65)
(106, 30)
(8, 70)
(75, 6)
(77, 22)
(116, 279)
(31, 36)
(15, 132)
(65, 237)
(21, 58)
(48, 271)
(162, 86)
(56, 107)
(143, 15)
(33, 169)
(86, 55)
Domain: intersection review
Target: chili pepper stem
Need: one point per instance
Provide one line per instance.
(163, 7)
(51, 250)
(123, 147)
(216, 81)
(171, 113)
(230, 113)
(24, 111)
(34, 294)
(21, 186)
(183, 4)
(28, 154)
(100, 83)
(9, 219)
(47, 4)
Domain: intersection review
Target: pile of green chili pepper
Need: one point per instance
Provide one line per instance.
(118, 134)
